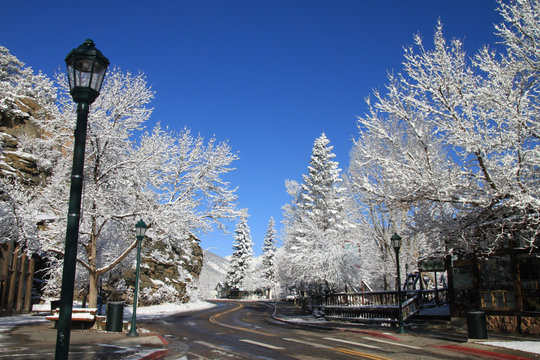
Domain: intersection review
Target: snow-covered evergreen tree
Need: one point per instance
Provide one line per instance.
(317, 236)
(242, 254)
(321, 195)
(269, 254)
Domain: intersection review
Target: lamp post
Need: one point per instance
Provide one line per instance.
(140, 229)
(86, 68)
(396, 244)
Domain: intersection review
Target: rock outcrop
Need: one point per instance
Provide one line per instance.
(168, 274)
(13, 124)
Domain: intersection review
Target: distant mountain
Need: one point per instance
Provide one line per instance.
(214, 271)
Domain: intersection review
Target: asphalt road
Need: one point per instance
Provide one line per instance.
(247, 330)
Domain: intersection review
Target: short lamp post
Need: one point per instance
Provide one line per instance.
(140, 229)
(86, 68)
(396, 244)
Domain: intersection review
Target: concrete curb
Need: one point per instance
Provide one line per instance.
(372, 333)
(156, 355)
(159, 353)
(479, 352)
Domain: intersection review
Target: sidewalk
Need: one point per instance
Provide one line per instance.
(37, 341)
(442, 336)
(29, 337)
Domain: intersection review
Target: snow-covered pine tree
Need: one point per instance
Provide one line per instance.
(269, 254)
(242, 254)
(318, 247)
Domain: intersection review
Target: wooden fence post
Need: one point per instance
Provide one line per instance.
(13, 280)
(6, 256)
(22, 282)
(29, 282)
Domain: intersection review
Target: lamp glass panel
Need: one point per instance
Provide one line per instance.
(99, 74)
(396, 242)
(83, 64)
(83, 72)
(71, 76)
(140, 228)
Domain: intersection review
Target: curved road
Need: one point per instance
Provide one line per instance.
(246, 330)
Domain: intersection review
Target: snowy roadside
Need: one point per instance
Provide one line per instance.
(157, 311)
(527, 346)
(143, 313)
(9, 322)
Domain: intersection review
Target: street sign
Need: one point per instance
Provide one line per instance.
(432, 264)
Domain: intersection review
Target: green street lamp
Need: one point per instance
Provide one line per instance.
(140, 229)
(86, 68)
(396, 244)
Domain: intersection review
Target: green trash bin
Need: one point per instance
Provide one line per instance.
(55, 304)
(115, 316)
(476, 325)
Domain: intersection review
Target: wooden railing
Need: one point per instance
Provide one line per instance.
(378, 306)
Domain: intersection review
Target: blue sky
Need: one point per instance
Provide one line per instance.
(267, 76)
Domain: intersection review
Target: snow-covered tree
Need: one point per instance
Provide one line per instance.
(454, 141)
(171, 180)
(242, 255)
(269, 253)
(27, 154)
(317, 233)
(21, 88)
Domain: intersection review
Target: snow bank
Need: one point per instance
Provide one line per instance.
(156, 311)
(9, 322)
(527, 346)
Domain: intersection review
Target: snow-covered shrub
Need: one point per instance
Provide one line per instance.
(161, 293)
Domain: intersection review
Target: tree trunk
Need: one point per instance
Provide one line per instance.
(93, 274)
(93, 289)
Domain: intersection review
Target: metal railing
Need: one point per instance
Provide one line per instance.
(377, 306)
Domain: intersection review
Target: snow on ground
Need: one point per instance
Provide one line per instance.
(303, 319)
(527, 346)
(143, 312)
(156, 311)
(9, 322)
